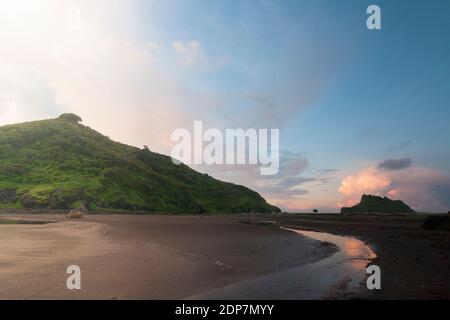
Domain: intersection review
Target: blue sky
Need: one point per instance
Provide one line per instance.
(345, 98)
(376, 88)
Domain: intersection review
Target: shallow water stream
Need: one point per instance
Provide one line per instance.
(339, 276)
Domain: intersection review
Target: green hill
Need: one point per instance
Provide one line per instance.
(62, 164)
(375, 204)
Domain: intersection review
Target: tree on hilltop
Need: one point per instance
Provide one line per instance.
(70, 117)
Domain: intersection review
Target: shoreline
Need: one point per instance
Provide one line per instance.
(143, 257)
(340, 275)
(414, 262)
(182, 256)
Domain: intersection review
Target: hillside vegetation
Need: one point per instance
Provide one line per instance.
(62, 164)
(376, 204)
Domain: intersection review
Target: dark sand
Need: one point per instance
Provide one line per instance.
(143, 257)
(183, 257)
(339, 276)
(414, 262)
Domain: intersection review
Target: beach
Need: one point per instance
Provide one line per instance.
(143, 257)
(414, 262)
(221, 257)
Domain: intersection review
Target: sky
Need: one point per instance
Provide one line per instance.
(359, 110)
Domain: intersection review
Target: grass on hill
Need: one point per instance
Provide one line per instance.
(60, 163)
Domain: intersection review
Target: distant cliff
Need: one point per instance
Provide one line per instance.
(375, 204)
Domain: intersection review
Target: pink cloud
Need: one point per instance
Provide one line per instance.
(416, 186)
(369, 180)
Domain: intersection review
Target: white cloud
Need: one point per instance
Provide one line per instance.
(98, 71)
(189, 53)
(24, 94)
(155, 46)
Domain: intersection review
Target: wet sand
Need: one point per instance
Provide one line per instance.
(339, 276)
(218, 257)
(144, 257)
(414, 262)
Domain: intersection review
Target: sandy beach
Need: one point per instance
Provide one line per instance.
(143, 257)
(222, 257)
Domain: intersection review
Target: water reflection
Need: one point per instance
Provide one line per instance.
(353, 247)
(339, 276)
(352, 258)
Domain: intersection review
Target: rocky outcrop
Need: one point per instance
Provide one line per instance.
(7, 195)
(28, 201)
(74, 214)
(375, 204)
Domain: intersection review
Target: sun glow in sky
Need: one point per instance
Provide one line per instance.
(359, 111)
